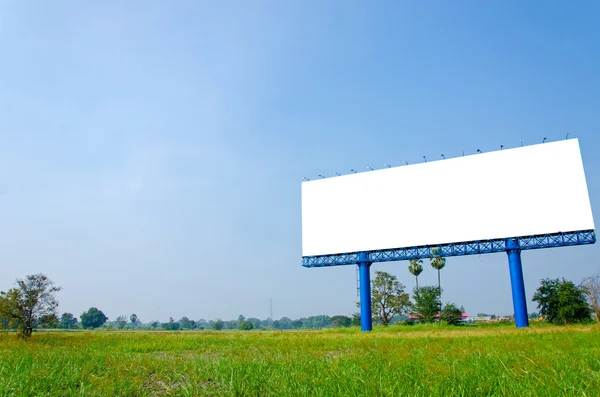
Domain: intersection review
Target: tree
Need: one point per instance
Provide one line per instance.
(93, 318)
(341, 321)
(592, 290)
(562, 302)
(256, 323)
(297, 324)
(387, 297)
(68, 321)
(316, 322)
(121, 322)
(134, 320)
(171, 325)
(426, 303)
(451, 314)
(218, 325)
(285, 323)
(31, 304)
(356, 319)
(245, 325)
(415, 268)
(438, 263)
(202, 324)
(185, 323)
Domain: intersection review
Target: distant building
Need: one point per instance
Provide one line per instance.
(475, 319)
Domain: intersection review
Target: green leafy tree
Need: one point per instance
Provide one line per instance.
(256, 323)
(316, 322)
(68, 321)
(31, 304)
(171, 325)
(245, 325)
(426, 303)
(285, 323)
(185, 323)
(218, 325)
(387, 297)
(438, 262)
(415, 267)
(355, 319)
(121, 322)
(134, 320)
(93, 318)
(451, 314)
(562, 302)
(341, 321)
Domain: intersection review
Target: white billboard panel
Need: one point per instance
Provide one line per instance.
(525, 191)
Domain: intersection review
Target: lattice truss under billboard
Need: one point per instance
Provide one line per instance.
(506, 201)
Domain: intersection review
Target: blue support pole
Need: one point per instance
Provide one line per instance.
(516, 280)
(365, 292)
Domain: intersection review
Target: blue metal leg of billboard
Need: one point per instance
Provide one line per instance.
(517, 283)
(365, 293)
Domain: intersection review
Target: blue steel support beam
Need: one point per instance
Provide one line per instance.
(455, 249)
(517, 284)
(365, 292)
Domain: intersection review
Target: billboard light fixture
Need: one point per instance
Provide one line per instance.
(322, 177)
(405, 162)
(336, 173)
(387, 165)
(501, 147)
(479, 151)
(369, 167)
(568, 135)
(425, 158)
(352, 170)
(544, 141)
(444, 157)
(305, 178)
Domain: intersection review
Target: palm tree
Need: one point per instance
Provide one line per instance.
(415, 268)
(438, 263)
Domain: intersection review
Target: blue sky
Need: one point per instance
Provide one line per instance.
(151, 152)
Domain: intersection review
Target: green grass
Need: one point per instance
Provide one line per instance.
(404, 360)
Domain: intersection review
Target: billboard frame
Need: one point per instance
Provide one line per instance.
(512, 246)
(478, 247)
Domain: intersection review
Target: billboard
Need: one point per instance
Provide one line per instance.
(526, 191)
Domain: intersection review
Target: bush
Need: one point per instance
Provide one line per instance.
(245, 325)
(562, 302)
(451, 314)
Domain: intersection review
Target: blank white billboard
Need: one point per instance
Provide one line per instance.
(525, 191)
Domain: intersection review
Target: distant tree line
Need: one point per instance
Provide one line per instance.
(32, 304)
(94, 318)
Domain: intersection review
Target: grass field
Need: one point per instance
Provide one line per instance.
(403, 360)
